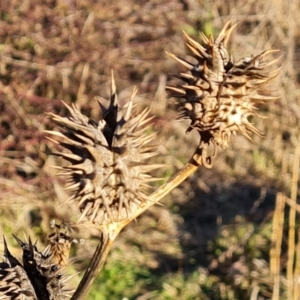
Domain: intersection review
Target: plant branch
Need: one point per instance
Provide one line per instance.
(109, 234)
(174, 181)
(94, 267)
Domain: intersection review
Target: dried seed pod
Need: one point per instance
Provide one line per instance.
(44, 272)
(107, 173)
(14, 281)
(219, 95)
(59, 244)
(40, 277)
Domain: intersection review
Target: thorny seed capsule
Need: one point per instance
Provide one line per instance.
(219, 95)
(107, 174)
(40, 276)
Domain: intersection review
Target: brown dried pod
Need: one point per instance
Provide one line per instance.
(14, 281)
(59, 244)
(107, 173)
(219, 95)
(40, 276)
(44, 273)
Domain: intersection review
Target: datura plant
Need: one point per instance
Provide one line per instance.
(108, 172)
(219, 95)
(41, 275)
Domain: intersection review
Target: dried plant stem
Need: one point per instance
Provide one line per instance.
(275, 252)
(297, 268)
(292, 229)
(107, 237)
(294, 192)
(94, 267)
(174, 181)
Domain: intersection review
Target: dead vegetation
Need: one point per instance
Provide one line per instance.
(214, 232)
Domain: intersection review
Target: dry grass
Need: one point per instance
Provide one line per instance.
(215, 229)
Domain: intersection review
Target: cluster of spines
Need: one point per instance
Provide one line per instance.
(107, 172)
(40, 276)
(219, 94)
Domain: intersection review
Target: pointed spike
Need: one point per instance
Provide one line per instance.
(134, 92)
(20, 242)
(128, 106)
(193, 51)
(82, 199)
(191, 87)
(176, 89)
(266, 52)
(103, 108)
(262, 55)
(29, 242)
(228, 34)
(71, 198)
(204, 38)
(84, 212)
(56, 167)
(148, 168)
(56, 133)
(264, 98)
(250, 127)
(182, 61)
(73, 186)
(94, 214)
(52, 140)
(72, 156)
(31, 248)
(196, 48)
(84, 139)
(143, 120)
(193, 42)
(6, 251)
(70, 173)
(53, 132)
(154, 179)
(67, 278)
(242, 131)
(67, 156)
(47, 251)
(148, 155)
(11, 260)
(69, 108)
(272, 62)
(86, 168)
(222, 35)
(113, 91)
(186, 76)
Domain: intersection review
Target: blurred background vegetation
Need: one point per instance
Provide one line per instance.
(231, 232)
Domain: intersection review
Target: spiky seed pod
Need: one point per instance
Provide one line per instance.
(14, 281)
(219, 95)
(107, 173)
(59, 244)
(40, 277)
